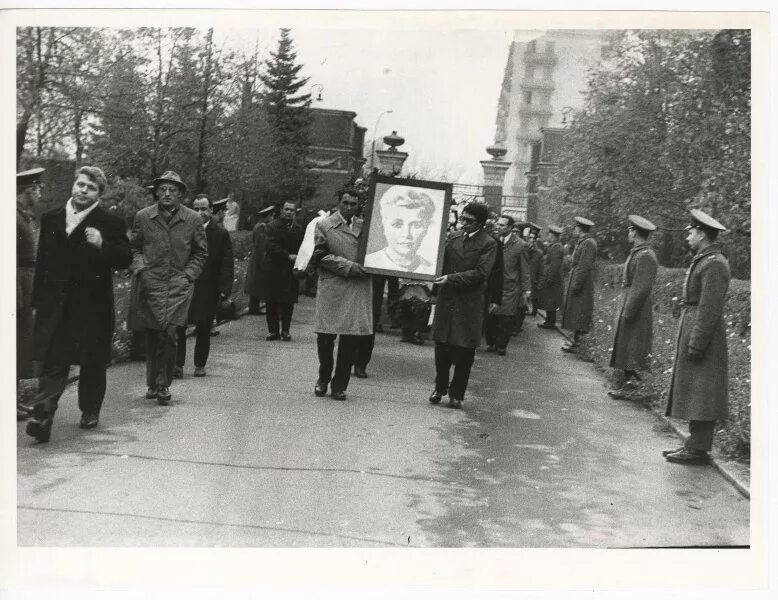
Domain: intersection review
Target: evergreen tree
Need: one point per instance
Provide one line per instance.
(289, 118)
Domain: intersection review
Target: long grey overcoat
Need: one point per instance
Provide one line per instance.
(73, 288)
(344, 299)
(698, 387)
(634, 326)
(550, 284)
(25, 268)
(579, 297)
(516, 277)
(167, 258)
(459, 310)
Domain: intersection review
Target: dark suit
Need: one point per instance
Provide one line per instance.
(73, 296)
(280, 291)
(215, 278)
(459, 311)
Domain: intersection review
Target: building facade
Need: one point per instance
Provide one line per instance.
(545, 77)
(336, 153)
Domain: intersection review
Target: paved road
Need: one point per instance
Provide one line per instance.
(248, 456)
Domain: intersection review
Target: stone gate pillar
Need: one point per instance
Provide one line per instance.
(494, 175)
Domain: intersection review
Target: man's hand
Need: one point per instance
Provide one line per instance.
(94, 237)
(359, 271)
(293, 257)
(442, 280)
(493, 308)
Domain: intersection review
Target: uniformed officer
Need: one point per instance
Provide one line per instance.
(28, 194)
(634, 326)
(699, 384)
(535, 260)
(579, 296)
(550, 285)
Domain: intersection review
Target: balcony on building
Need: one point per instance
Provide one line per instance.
(534, 56)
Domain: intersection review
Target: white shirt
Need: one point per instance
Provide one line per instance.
(72, 218)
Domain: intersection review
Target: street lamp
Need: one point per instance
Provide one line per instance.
(321, 89)
(375, 129)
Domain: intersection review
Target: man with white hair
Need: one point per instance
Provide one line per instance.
(405, 216)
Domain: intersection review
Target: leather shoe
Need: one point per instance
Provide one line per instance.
(88, 421)
(688, 456)
(285, 337)
(501, 352)
(199, 372)
(178, 372)
(417, 340)
(620, 394)
(491, 348)
(547, 325)
(673, 451)
(272, 337)
(570, 348)
(338, 395)
(214, 332)
(360, 373)
(378, 328)
(320, 389)
(163, 396)
(436, 397)
(40, 430)
(151, 393)
(454, 403)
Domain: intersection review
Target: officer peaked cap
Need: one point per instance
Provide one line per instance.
(641, 223)
(585, 222)
(555, 229)
(29, 177)
(700, 219)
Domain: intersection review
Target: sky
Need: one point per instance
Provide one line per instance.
(441, 86)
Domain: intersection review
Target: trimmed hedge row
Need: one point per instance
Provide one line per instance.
(734, 435)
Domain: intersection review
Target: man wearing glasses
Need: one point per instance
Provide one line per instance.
(213, 284)
(459, 312)
(169, 251)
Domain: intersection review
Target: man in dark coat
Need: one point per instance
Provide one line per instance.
(284, 237)
(213, 284)
(535, 261)
(579, 297)
(28, 194)
(550, 283)
(515, 287)
(699, 383)
(255, 283)
(468, 260)
(634, 327)
(80, 245)
(169, 250)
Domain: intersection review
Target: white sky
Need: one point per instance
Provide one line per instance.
(442, 86)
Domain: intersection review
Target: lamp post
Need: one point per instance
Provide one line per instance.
(375, 129)
(321, 89)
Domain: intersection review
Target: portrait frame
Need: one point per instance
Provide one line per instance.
(374, 240)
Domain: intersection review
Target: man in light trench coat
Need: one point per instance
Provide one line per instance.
(634, 328)
(699, 384)
(344, 301)
(579, 295)
(169, 251)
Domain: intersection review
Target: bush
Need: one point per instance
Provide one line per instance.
(734, 435)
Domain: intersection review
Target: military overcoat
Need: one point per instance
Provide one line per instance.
(550, 284)
(167, 257)
(255, 280)
(73, 288)
(579, 296)
(634, 325)
(699, 386)
(459, 310)
(25, 268)
(344, 299)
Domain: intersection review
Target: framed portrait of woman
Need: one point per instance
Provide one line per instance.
(406, 222)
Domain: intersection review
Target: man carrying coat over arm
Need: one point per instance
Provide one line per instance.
(699, 384)
(80, 245)
(459, 312)
(169, 251)
(634, 328)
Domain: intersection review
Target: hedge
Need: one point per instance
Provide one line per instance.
(734, 435)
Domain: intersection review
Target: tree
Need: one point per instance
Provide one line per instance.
(289, 118)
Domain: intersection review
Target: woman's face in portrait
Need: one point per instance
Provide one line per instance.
(404, 229)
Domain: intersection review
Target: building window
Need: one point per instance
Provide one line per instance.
(527, 98)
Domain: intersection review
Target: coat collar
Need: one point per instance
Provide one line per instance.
(714, 248)
(340, 222)
(638, 246)
(154, 214)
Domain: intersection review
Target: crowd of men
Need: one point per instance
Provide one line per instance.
(493, 273)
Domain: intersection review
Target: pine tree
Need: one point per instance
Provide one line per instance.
(289, 117)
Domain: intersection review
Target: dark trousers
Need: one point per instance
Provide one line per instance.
(279, 311)
(160, 356)
(413, 317)
(254, 305)
(700, 435)
(91, 389)
(202, 343)
(347, 349)
(379, 282)
(518, 322)
(462, 360)
(497, 330)
(551, 317)
(364, 350)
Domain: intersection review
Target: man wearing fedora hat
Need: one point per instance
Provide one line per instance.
(634, 328)
(169, 251)
(699, 383)
(579, 296)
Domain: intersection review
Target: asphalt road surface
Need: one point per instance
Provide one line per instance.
(248, 456)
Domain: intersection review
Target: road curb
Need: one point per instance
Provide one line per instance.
(739, 485)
